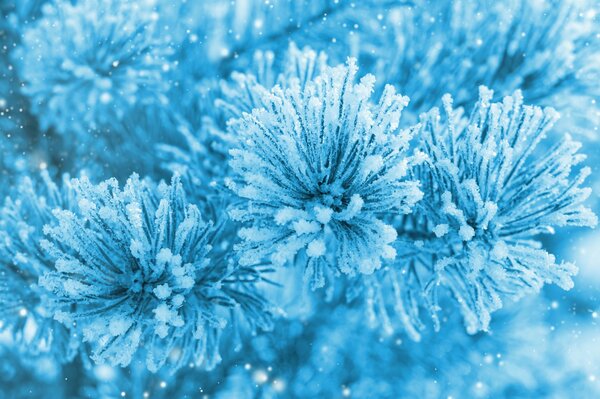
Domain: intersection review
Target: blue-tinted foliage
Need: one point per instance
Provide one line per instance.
(104, 61)
(22, 261)
(93, 71)
(548, 49)
(333, 355)
(489, 191)
(205, 110)
(494, 192)
(291, 170)
(134, 272)
(318, 168)
(28, 376)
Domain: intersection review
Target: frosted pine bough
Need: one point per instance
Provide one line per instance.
(23, 303)
(489, 192)
(134, 272)
(317, 170)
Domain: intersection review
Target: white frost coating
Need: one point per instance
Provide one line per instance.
(389, 252)
(441, 230)
(388, 233)
(162, 313)
(373, 163)
(323, 215)
(162, 291)
(85, 206)
(500, 250)
(163, 257)
(119, 326)
(353, 209)
(286, 215)
(466, 232)
(316, 248)
(177, 300)
(305, 227)
(107, 213)
(134, 211)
